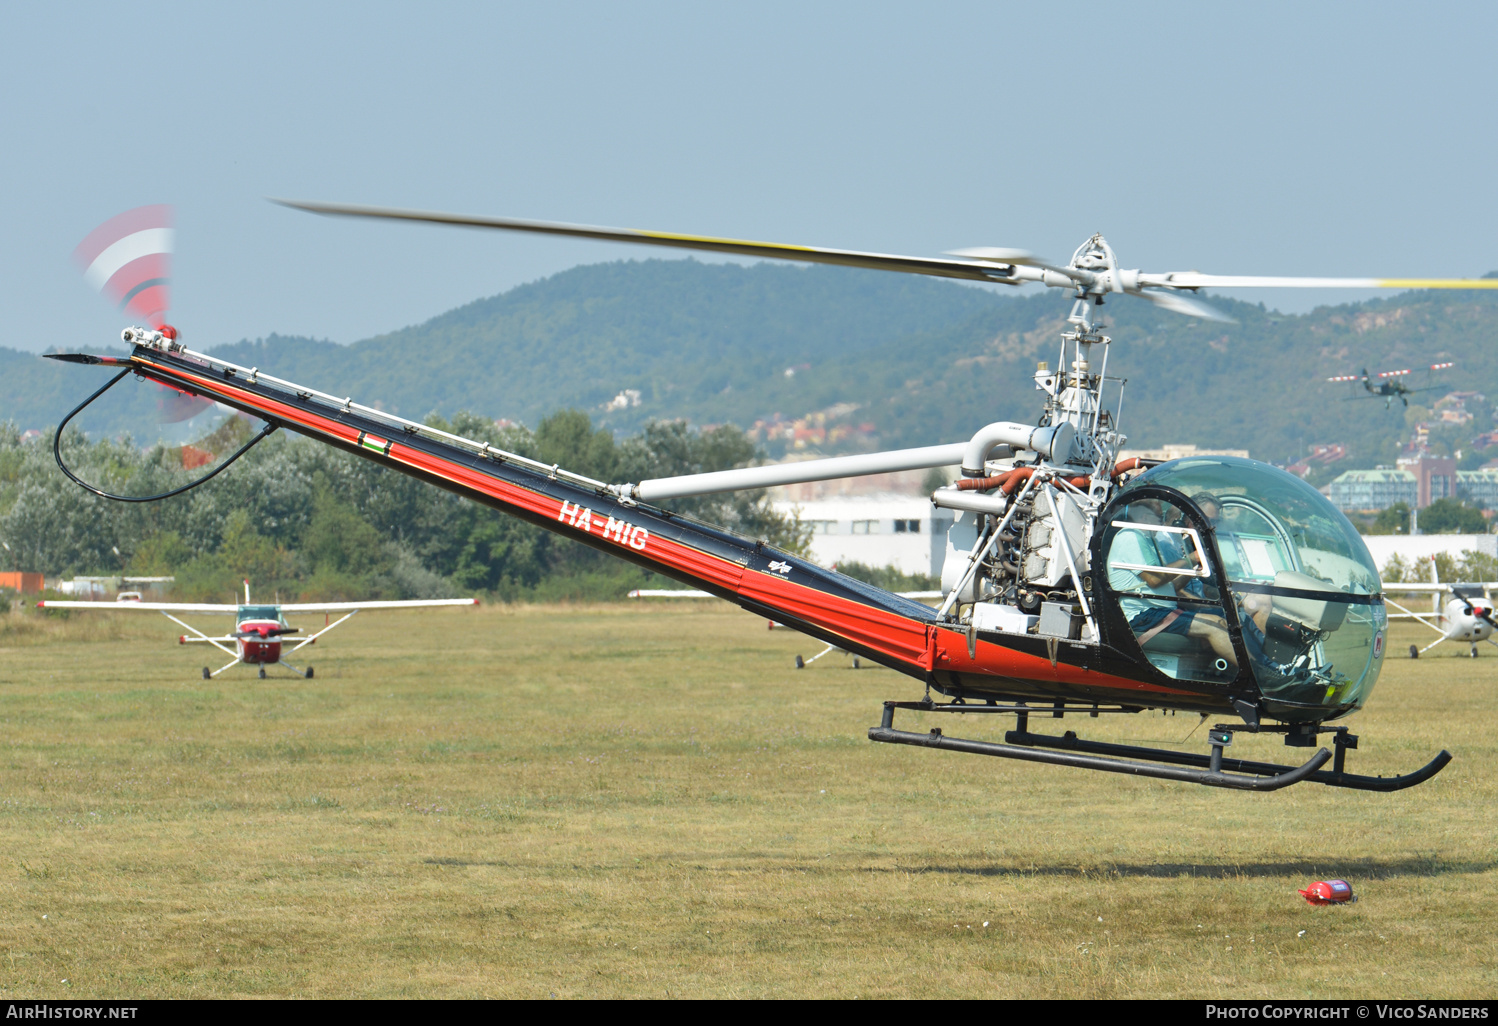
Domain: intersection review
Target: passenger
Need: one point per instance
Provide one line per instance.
(1256, 608)
(1149, 617)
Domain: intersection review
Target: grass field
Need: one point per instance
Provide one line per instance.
(615, 801)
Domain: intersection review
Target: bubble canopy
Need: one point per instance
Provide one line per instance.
(1305, 589)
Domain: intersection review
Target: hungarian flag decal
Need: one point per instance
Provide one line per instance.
(374, 443)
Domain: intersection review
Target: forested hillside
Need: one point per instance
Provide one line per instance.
(301, 519)
(898, 360)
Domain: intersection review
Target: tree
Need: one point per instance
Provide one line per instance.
(1393, 519)
(1452, 516)
(567, 439)
(671, 448)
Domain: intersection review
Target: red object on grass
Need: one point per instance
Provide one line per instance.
(1329, 892)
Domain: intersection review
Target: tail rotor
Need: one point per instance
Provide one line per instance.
(128, 260)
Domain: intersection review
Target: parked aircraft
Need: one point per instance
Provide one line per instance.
(260, 630)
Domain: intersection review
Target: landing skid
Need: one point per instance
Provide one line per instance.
(1211, 770)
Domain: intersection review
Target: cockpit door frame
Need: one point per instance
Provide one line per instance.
(1172, 571)
(1116, 632)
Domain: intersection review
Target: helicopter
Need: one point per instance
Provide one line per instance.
(1075, 582)
(1390, 386)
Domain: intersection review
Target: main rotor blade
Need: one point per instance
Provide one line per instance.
(1196, 280)
(1182, 305)
(974, 270)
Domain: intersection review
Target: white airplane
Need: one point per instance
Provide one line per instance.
(1466, 616)
(259, 629)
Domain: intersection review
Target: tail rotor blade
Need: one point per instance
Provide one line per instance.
(128, 259)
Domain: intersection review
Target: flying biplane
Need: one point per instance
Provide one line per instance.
(1465, 617)
(260, 630)
(1391, 384)
(1074, 583)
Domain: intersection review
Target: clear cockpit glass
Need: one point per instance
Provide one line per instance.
(1306, 592)
(260, 613)
(1159, 574)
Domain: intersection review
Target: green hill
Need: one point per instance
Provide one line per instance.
(916, 360)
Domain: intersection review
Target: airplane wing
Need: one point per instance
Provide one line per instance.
(161, 607)
(349, 607)
(1430, 587)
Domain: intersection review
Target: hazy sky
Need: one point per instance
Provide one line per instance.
(1332, 139)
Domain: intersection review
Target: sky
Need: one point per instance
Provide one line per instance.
(1299, 139)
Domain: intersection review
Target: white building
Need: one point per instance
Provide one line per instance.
(1420, 547)
(902, 531)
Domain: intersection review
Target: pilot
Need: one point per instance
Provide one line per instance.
(1147, 617)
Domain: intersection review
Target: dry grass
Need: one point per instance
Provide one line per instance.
(599, 801)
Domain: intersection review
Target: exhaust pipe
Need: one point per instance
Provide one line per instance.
(1053, 442)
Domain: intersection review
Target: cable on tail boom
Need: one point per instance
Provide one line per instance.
(57, 453)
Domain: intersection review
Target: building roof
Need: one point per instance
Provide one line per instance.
(1380, 476)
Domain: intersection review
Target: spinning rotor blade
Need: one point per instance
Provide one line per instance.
(274, 632)
(1093, 270)
(1177, 303)
(128, 259)
(1196, 280)
(174, 406)
(984, 268)
(996, 255)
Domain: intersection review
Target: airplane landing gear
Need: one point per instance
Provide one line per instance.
(262, 673)
(309, 673)
(206, 674)
(1414, 652)
(802, 664)
(1474, 651)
